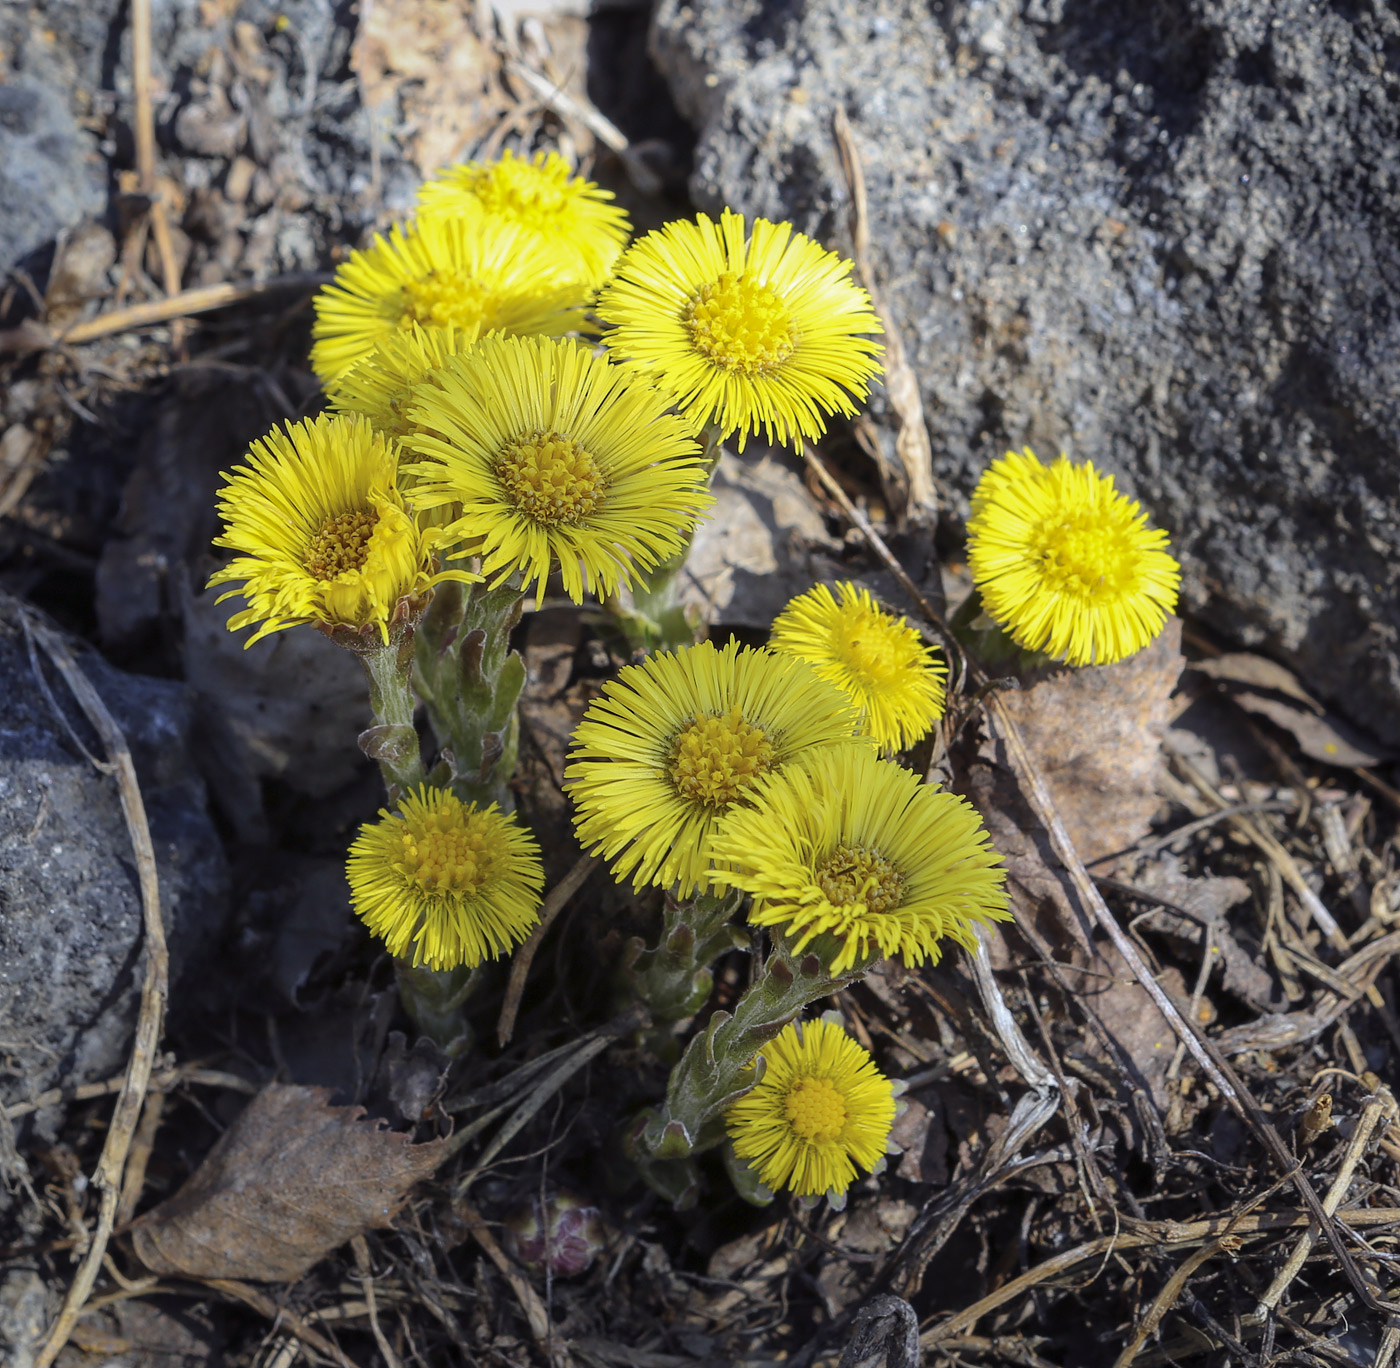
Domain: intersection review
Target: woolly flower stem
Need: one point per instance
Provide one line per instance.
(655, 619)
(716, 1069)
(393, 740)
(433, 1000)
(674, 979)
(470, 681)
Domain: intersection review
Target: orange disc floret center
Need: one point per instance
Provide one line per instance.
(341, 544)
(715, 760)
(440, 301)
(852, 874)
(452, 851)
(816, 1111)
(1083, 554)
(740, 324)
(551, 479)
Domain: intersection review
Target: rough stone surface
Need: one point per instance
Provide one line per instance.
(70, 908)
(50, 176)
(1158, 236)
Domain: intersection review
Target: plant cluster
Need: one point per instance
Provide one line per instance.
(516, 399)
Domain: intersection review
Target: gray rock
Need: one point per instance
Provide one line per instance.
(70, 908)
(50, 176)
(1162, 237)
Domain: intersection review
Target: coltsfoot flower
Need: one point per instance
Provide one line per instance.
(875, 659)
(848, 846)
(556, 457)
(465, 271)
(574, 218)
(820, 1109)
(757, 332)
(322, 532)
(683, 738)
(1065, 563)
(446, 882)
(384, 386)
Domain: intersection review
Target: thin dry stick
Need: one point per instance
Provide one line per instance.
(360, 1247)
(182, 305)
(555, 902)
(559, 101)
(1165, 1233)
(1166, 1298)
(1292, 875)
(901, 384)
(535, 1314)
(1382, 1104)
(144, 122)
(166, 1081)
(154, 987)
(280, 1317)
(143, 1142)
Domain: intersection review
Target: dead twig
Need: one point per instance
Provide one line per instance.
(911, 443)
(359, 1246)
(187, 302)
(280, 1318)
(144, 124)
(1142, 1235)
(1382, 1105)
(166, 1081)
(555, 902)
(154, 988)
(535, 1314)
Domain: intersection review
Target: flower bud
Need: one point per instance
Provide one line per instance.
(560, 1235)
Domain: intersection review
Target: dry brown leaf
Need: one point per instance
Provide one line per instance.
(427, 53)
(1286, 704)
(291, 1179)
(1096, 735)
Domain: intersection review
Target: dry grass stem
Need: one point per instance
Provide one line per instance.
(535, 1314)
(1382, 1105)
(154, 987)
(555, 902)
(901, 384)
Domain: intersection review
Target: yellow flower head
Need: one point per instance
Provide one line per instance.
(846, 845)
(821, 1108)
(571, 216)
(323, 534)
(384, 386)
(446, 881)
(757, 332)
(681, 739)
(556, 457)
(1065, 563)
(876, 660)
(470, 272)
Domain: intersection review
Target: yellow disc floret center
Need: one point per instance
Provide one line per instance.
(341, 544)
(852, 874)
(870, 646)
(816, 1111)
(453, 851)
(551, 479)
(440, 301)
(715, 760)
(520, 192)
(740, 324)
(1083, 554)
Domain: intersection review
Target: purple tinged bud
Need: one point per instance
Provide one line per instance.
(560, 1235)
